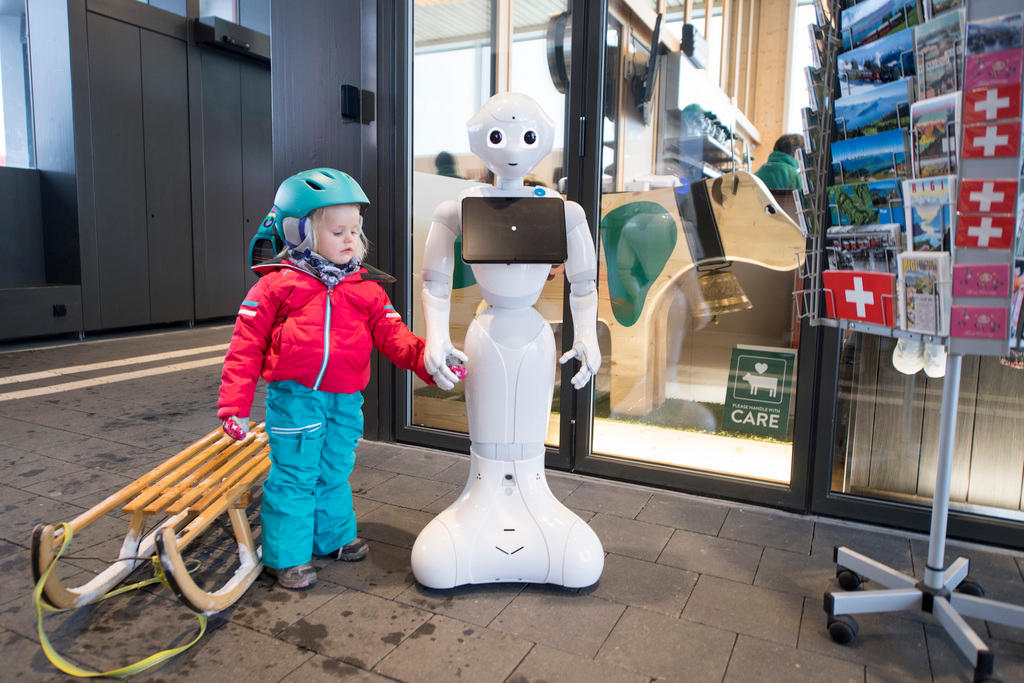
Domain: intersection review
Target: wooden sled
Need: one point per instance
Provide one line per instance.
(187, 492)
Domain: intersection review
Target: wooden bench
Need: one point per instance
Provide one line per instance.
(183, 495)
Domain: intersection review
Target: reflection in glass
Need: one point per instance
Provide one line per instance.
(697, 267)
(16, 146)
(887, 431)
(456, 70)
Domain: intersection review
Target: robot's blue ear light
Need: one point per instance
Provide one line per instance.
(539, 192)
(684, 185)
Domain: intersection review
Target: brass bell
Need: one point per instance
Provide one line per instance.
(720, 293)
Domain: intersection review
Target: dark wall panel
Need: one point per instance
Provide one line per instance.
(118, 168)
(22, 226)
(257, 158)
(219, 250)
(311, 64)
(165, 118)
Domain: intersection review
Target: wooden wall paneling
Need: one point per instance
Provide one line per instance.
(168, 194)
(118, 168)
(771, 68)
(896, 436)
(965, 427)
(863, 404)
(997, 454)
(220, 255)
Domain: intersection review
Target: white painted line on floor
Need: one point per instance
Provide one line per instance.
(110, 379)
(71, 369)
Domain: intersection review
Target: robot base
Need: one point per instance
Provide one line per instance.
(507, 526)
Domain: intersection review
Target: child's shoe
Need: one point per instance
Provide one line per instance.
(935, 360)
(350, 552)
(298, 578)
(908, 356)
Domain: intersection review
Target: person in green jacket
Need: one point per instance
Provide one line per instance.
(781, 171)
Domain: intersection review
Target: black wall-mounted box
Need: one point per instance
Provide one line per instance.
(226, 35)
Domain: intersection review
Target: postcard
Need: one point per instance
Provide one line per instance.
(924, 292)
(929, 212)
(863, 247)
(933, 126)
(874, 110)
(872, 157)
(991, 140)
(881, 61)
(994, 54)
(938, 54)
(979, 322)
(854, 295)
(998, 102)
(866, 203)
(981, 280)
(933, 8)
(978, 195)
(873, 19)
(984, 231)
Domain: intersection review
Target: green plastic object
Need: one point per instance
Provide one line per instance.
(463, 274)
(638, 239)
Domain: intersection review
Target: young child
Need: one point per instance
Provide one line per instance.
(308, 326)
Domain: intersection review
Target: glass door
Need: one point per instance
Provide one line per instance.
(464, 52)
(697, 261)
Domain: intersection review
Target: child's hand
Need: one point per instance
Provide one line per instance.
(236, 427)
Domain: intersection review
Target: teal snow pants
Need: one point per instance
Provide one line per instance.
(307, 500)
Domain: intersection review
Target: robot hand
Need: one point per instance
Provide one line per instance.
(236, 427)
(590, 361)
(445, 363)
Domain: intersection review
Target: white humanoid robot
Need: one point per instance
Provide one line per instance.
(507, 525)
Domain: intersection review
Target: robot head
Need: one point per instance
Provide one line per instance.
(287, 224)
(511, 134)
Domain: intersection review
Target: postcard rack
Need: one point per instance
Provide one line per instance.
(945, 592)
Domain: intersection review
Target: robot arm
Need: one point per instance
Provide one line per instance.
(438, 264)
(581, 271)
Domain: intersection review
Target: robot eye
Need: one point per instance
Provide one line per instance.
(530, 138)
(496, 138)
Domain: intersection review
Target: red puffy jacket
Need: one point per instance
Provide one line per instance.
(281, 326)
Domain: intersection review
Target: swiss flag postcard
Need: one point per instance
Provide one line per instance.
(991, 140)
(860, 295)
(992, 104)
(985, 231)
(987, 196)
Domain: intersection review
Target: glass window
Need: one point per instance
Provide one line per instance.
(694, 301)
(225, 9)
(16, 142)
(175, 6)
(887, 431)
(800, 58)
(456, 68)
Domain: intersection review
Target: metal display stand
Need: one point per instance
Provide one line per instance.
(946, 592)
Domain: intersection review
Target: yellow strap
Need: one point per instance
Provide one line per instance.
(70, 667)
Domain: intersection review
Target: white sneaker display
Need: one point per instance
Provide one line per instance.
(935, 360)
(908, 356)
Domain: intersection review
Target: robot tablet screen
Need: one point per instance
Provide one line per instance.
(513, 230)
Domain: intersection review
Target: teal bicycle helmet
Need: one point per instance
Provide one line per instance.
(286, 224)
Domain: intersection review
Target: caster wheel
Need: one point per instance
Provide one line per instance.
(971, 587)
(848, 581)
(843, 629)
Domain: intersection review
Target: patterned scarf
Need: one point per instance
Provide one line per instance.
(328, 273)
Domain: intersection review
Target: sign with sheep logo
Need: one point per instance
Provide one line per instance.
(760, 391)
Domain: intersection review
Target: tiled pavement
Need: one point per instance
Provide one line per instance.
(693, 589)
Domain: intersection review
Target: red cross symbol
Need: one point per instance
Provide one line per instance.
(859, 295)
(991, 140)
(987, 232)
(991, 104)
(987, 196)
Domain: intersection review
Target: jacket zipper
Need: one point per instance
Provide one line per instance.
(327, 341)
